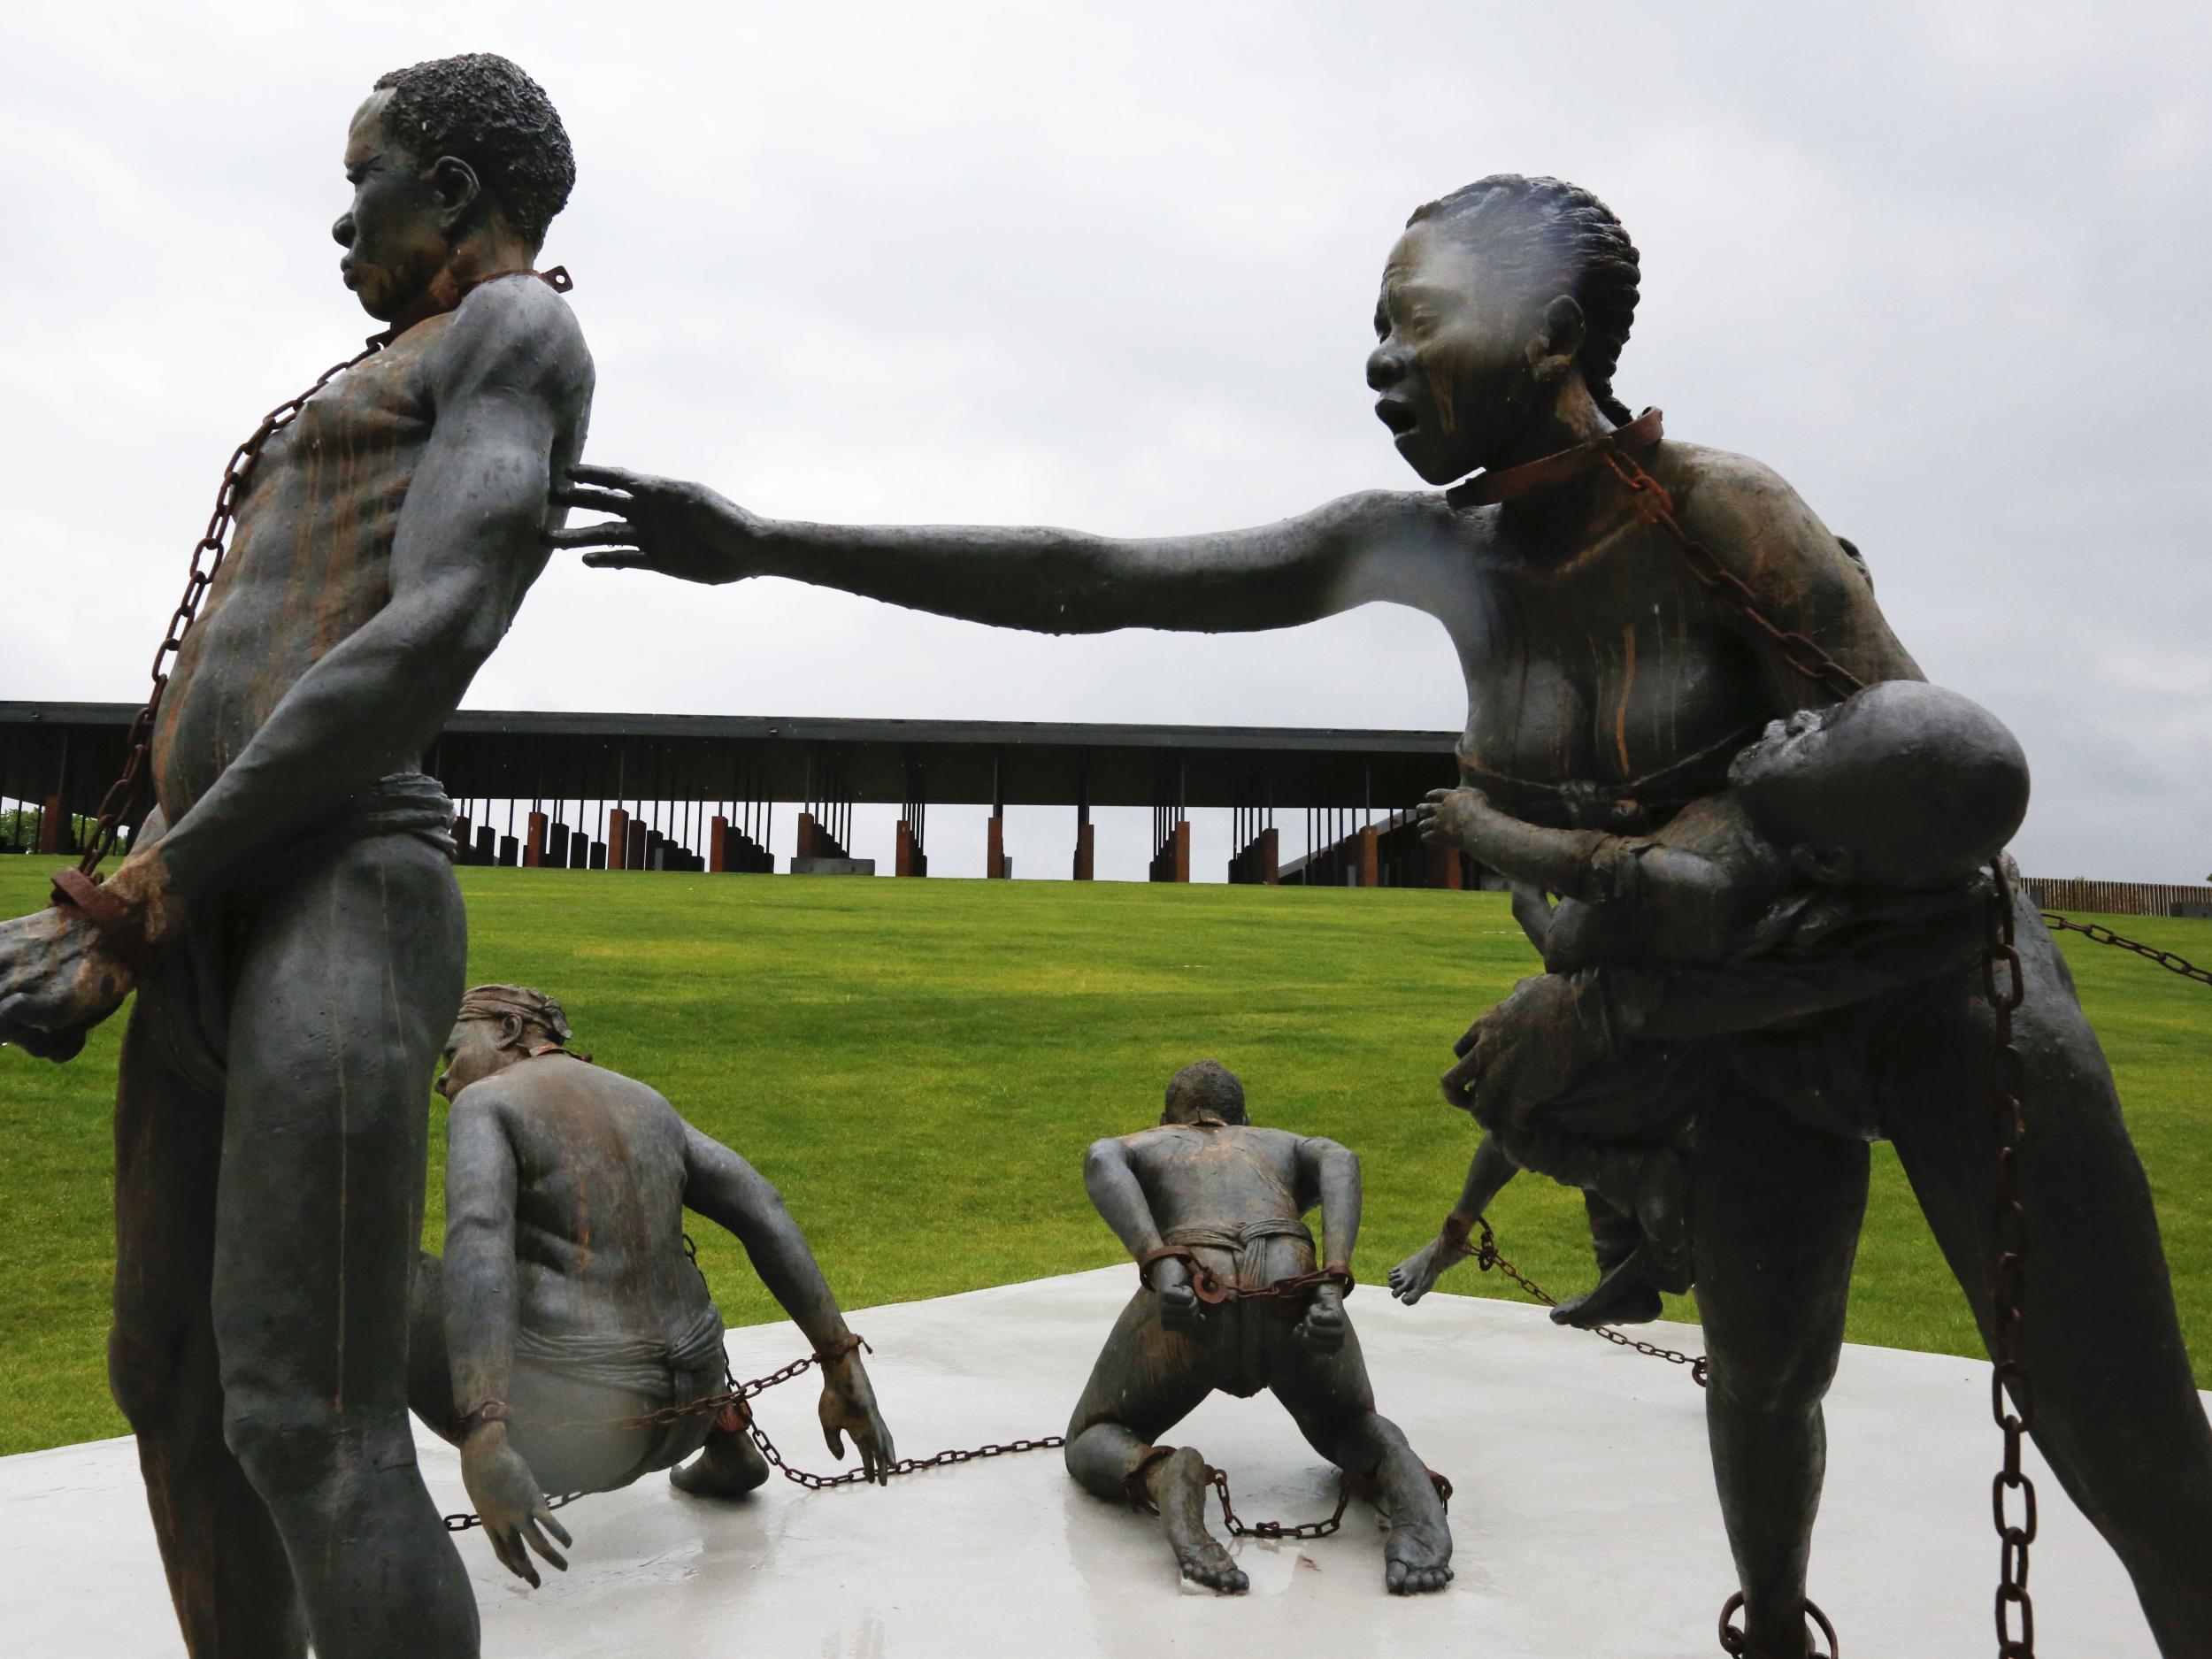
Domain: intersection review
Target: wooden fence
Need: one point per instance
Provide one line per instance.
(2119, 898)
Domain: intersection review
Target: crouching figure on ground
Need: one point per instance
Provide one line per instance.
(567, 1315)
(1211, 1208)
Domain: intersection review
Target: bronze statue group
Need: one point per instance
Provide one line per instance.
(1761, 858)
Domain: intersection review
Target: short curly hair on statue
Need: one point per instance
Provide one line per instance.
(481, 109)
(1206, 1091)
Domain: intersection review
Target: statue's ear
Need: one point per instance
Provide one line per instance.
(455, 184)
(510, 1030)
(1565, 329)
(1830, 866)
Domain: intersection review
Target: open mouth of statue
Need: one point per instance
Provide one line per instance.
(1399, 416)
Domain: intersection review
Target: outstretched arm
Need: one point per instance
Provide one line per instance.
(728, 1191)
(1380, 545)
(482, 1304)
(510, 379)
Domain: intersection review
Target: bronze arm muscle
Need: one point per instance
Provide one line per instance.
(1380, 545)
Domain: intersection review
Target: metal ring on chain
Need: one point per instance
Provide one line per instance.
(1734, 1641)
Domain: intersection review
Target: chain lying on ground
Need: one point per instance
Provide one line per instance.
(1237, 1526)
(2004, 988)
(122, 799)
(904, 1466)
(1487, 1257)
(2165, 959)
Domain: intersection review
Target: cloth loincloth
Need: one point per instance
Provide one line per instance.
(653, 1369)
(1242, 1347)
(655, 1372)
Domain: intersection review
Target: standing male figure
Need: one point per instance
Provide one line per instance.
(289, 915)
(1206, 1197)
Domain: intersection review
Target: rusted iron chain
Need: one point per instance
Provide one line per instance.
(2004, 988)
(2101, 936)
(1487, 1257)
(1213, 1290)
(123, 798)
(1735, 596)
(1238, 1527)
(904, 1466)
(1735, 1642)
(465, 1519)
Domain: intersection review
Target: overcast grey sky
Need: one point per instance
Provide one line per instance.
(1112, 265)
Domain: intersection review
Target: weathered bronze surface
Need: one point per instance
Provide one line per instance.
(566, 1341)
(293, 896)
(1230, 1299)
(1614, 666)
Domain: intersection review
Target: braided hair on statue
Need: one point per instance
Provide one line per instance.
(1543, 234)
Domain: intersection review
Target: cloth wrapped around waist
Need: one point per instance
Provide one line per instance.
(645, 1366)
(1247, 1244)
(410, 803)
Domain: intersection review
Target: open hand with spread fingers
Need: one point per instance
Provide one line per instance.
(507, 1500)
(660, 524)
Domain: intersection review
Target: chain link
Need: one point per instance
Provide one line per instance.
(904, 1466)
(1238, 1527)
(2004, 988)
(1487, 1257)
(1733, 1641)
(462, 1521)
(1735, 596)
(126, 797)
(2165, 959)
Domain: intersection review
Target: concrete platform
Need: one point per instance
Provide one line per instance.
(1585, 1522)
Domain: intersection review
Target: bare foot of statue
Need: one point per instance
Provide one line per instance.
(729, 1466)
(1417, 1558)
(1624, 1296)
(1414, 1277)
(1177, 1485)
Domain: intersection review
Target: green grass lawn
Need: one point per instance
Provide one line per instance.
(920, 1065)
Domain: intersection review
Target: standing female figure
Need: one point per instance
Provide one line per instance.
(1606, 687)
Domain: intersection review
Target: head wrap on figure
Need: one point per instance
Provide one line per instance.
(540, 1015)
